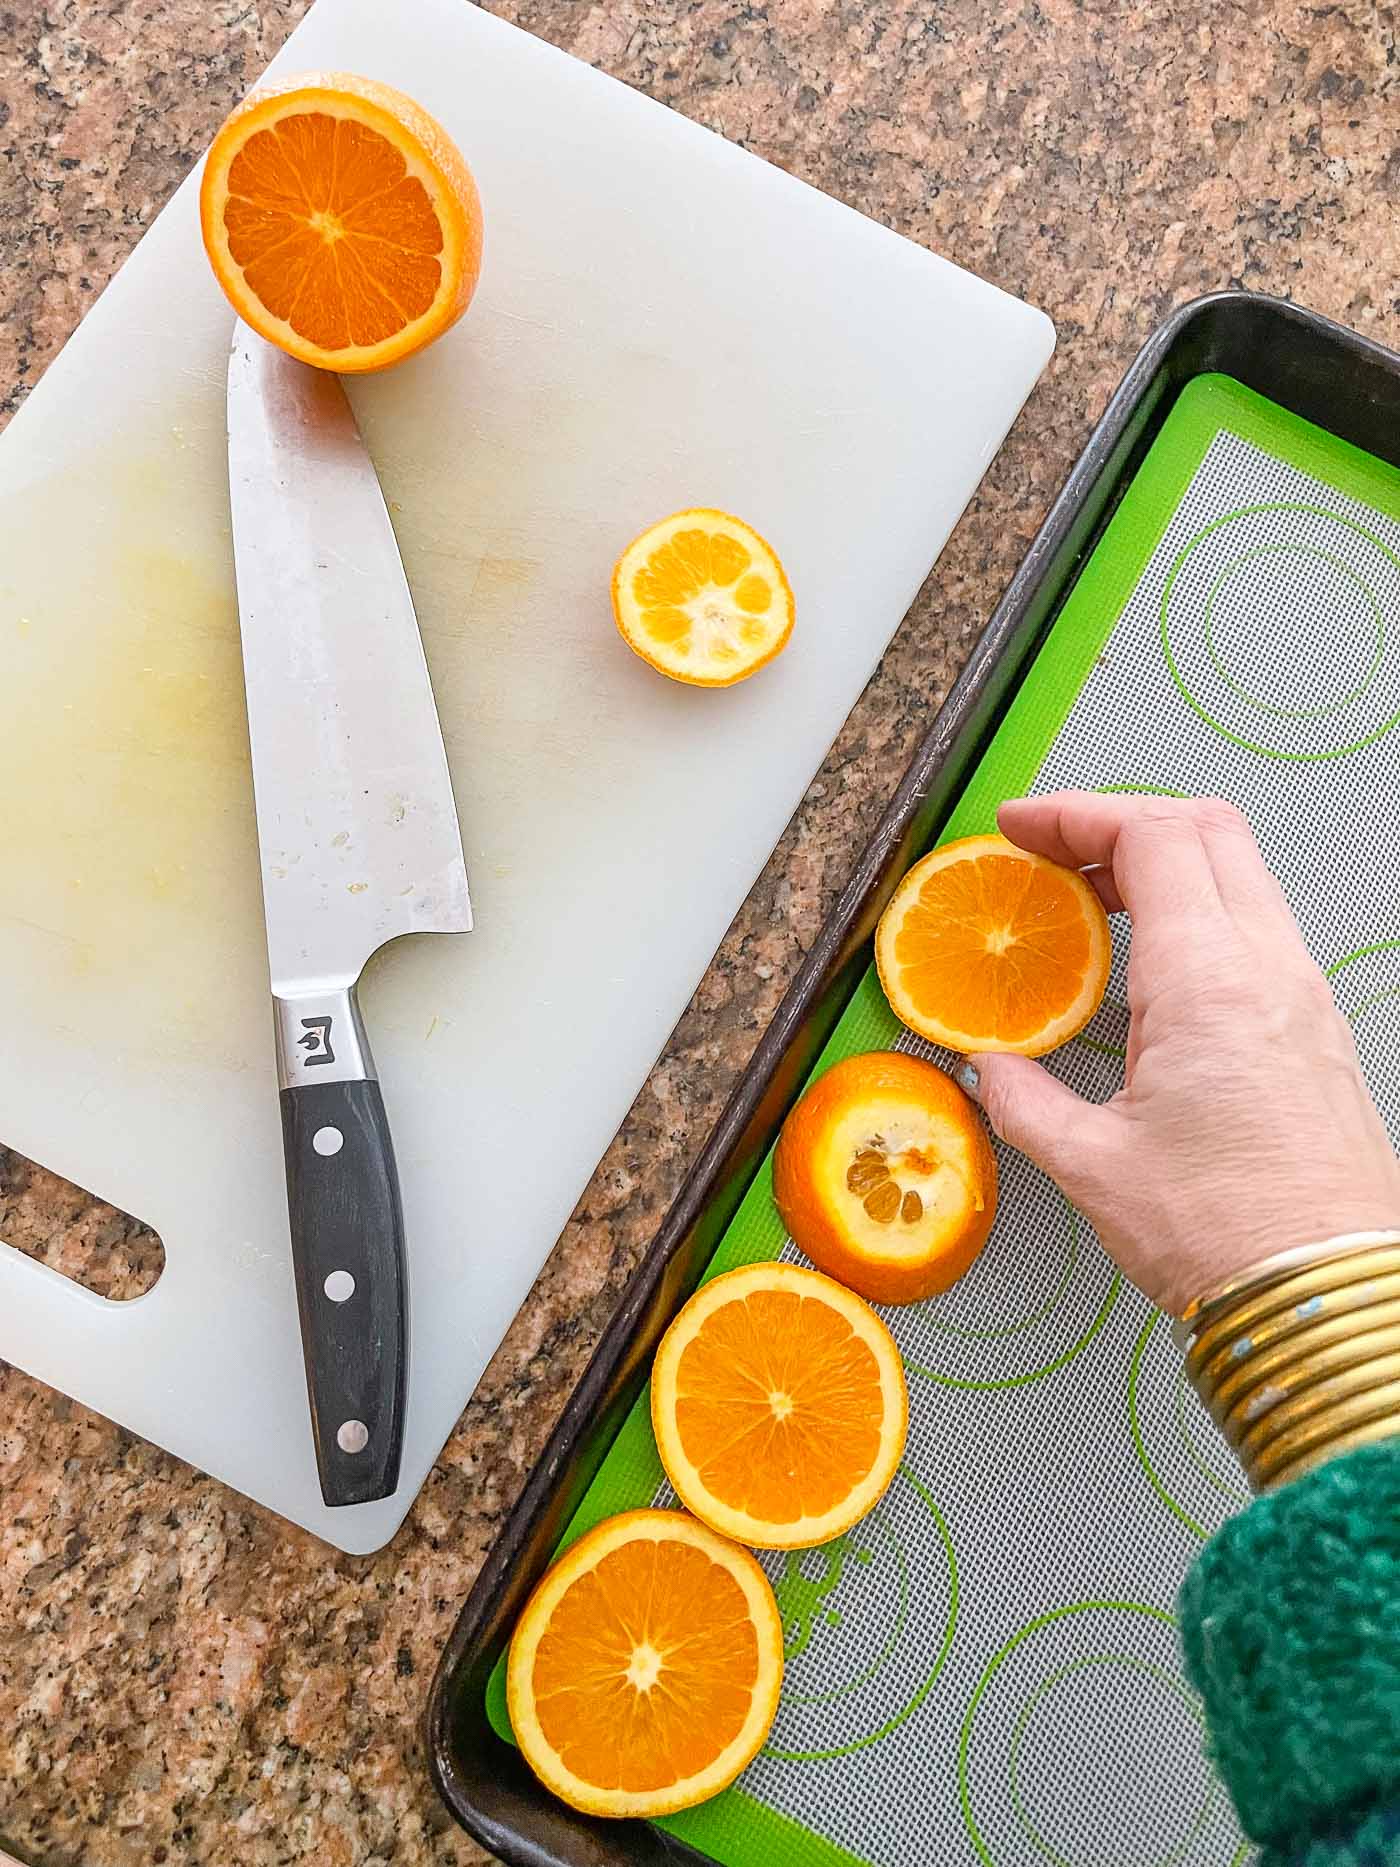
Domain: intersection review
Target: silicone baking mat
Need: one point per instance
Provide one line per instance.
(986, 1670)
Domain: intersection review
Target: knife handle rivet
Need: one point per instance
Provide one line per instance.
(328, 1141)
(339, 1286)
(352, 1436)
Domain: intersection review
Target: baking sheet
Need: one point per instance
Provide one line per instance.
(987, 1668)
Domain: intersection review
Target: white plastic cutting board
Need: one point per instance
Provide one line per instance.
(663, 321)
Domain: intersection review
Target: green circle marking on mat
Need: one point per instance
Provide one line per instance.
(1350, 959)
(1037, 1316)
(922, 1691)
(1027, 1712)
(1134, 1375)
(1239, 1497)
(1361, 952)
(1253, 745)
(1237, 1494)
(1376, 998)
(989, 1673)
(1098, 1044)
(1103, 1049)
(1032, 1374)
(1339, 564)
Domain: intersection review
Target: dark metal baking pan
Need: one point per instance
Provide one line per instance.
(1317, 369)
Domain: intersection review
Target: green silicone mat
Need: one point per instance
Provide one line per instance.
(986, 1670)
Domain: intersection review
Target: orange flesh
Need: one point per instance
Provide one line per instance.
(1004, 940)
(647, 1669)
(779, 1406)
(691, 562)
(332, 232)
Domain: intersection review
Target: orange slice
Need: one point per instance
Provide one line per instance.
(987, 947)
(701, 597)
(885, 1177)
(779, 1406)
(341, 221)
(645, 1671)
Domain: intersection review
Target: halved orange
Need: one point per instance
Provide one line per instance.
(644, 1673)
(988, 947)
(779, 1406)
(701, 597)
(341, 220)
(885, 1177)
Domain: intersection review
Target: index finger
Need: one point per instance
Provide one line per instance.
(1151, 845)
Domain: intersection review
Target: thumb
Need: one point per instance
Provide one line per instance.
(1065, 1136)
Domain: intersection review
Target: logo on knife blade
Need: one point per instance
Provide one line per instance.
(317, 1042)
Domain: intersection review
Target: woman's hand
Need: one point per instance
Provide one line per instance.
(1244, 1125)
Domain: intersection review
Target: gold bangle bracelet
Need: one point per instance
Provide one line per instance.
(1326, 1347)
(1374, 1406)
(1372, 1434)
(1276, 1305)
(1301, 1359)
(1295, 1258)
(1250, 1432)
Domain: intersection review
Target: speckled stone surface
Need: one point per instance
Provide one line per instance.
(182, 1677)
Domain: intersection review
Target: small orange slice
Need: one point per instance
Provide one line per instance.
(885, 1177)
(779, 1406)
(341, 221)
(987, 947)
(701, 597)
(645, 1671)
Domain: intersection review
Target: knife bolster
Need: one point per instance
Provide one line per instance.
(321, 1039)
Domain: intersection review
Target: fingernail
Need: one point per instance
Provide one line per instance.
(968, 1077)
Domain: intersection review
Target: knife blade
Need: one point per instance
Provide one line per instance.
(359, 842)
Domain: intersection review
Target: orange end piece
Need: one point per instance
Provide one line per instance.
(885, 1178)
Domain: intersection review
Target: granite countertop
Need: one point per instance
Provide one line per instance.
(183, 1678)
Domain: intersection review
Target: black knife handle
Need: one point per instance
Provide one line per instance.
(348, 1254)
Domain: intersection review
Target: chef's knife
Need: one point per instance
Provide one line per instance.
(359, 842)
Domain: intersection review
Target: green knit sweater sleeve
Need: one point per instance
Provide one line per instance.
(1291, 1625)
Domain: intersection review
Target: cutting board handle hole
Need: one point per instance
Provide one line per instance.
(75, 1233)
